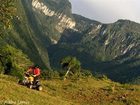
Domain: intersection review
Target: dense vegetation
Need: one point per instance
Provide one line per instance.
(7, 11)
(27, 36)
(13, 61)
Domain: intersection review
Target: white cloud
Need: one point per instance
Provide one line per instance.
(108, 10)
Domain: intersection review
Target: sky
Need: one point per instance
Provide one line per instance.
(107, 11)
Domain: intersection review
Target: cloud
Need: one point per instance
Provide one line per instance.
(107, 11)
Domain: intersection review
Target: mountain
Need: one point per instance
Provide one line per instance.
(56, 15)
(111, 49)
(37, 25)
(47, 31)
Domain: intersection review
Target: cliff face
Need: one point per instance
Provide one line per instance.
(56, 19)
(64, 21)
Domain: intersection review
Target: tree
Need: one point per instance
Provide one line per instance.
(13, 61)
(72, 65)
(7, 11)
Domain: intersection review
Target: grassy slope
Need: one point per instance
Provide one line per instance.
(82, 92)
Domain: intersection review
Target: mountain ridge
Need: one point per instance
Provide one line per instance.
(47, 31)
(110, 44)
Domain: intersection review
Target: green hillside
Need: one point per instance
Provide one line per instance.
(46, 31)
(89, 91)
(27, 35)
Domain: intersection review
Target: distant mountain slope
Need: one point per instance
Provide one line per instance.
(111, 49)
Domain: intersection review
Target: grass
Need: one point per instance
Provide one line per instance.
(69, 92)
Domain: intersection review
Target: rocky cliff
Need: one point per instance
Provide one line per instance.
(47, 31)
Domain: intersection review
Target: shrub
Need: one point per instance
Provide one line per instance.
(50, 74)
(13, 61)
(101, 76)
(72, 66)
(86, 73)
(1, 69)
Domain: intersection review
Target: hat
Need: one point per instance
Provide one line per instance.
(36, 66)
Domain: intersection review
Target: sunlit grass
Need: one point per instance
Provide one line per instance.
(88, 91)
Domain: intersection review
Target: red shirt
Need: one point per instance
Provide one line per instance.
(36, 71)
